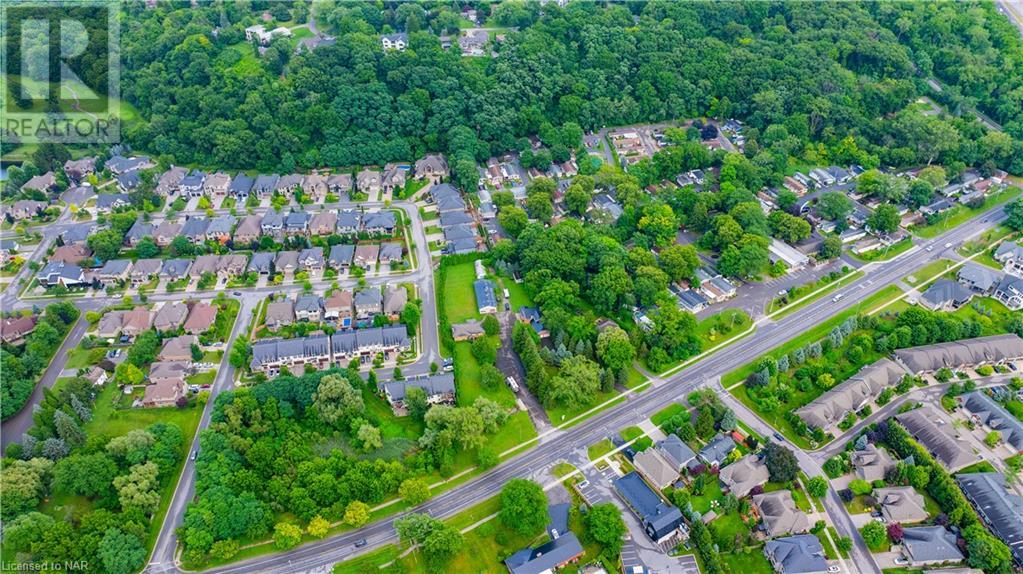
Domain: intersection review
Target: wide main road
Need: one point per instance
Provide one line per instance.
(558, 445)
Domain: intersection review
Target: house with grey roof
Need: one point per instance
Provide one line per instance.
(1010, 292)
(1000, 508)
(397, 41)
(368, 181)
(274, 356)
(871, 463)
(309, 307)
(311, 259)
(287, 184)
(127, 181)
(801, 554)
(979, 278)
(994, 416)
(441, 191)
(119, 164)
(779, 514)
(1010, 255)
(286, 262)
(446, 203)
(340, 183)
(366, 255)
(945, 295)
(232, 265)
(220, 228)
(655, 468)
(261, 262)
(296, 223)
(457, 232)
(349, 222)
(930, 545)
(341, 256)
(77, 234)
(114, 271)
(660, 520)
(168, 182)
(138, 230)
(486, 298)
(460, 246)
(716, 451)
(204, 264)
(675, 451)
(264, 185)
(744, 475)
(272, 224)
(451, 218)
(959, 354)
(395, 299)
(468, 330)
(382, 222)
(393, 178)
(323, 223)
(433, 167)
(279, 314)
(549, 557)
(901, 504)
(192, 184)
(175, 269)
(391, 253)
(61, 273)
(606, 204)
(439, 388)
(107, 202)
(315, 186)
(78, 169)
(368, 303)
(936, 435)
(195, 229)
(852, 395)
(171, 316)
(144, 270)
(166, 232)
(241, 186)
(364, 345)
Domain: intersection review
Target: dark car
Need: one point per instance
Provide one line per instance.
(237, 293)
(360, 543)
(779, 437)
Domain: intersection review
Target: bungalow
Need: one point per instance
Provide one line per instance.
(393, 178)
(44, 183)
(391, 253)
(395, 299)
(340, 183)
(171, 316)
(323, 223)
(744, 475)
(287, 184)
(178, 348)
(77, 170)
(194, 229)
(368, 303)
(219, 228)
(995, 417)
(945, 295)
(175, 269)
(248, 231)
(801, 554)
(107, 202)
(138, 230)
(232, 265)
(96, 375)
(114, 271)
(928, 545)
(165, 393)
(272, 224)
(366, 255)
(296, 223)
(279, 314)
(341, 256)
(979, 278)
(192, 184)
(468, 330)
(166, 232)
(368, 182)
(77, 234)
(791, 257)
(901, 504)
(274, 355)
(311, 259)
(486, 298)
(379, 222)
(931, 430)
(241, 186)
(439, 389)
(217, 184)
(71, 254)
(286, 262)
(716, 451)
(338, 307)
(261, 262)
(450, 218)
(349, 222)
(779, 513)
(119, 164)
(264, 185)
(432, 167)
(14, 329)
(201, 317)
(871, 463)
(655, 468)
(309, 307)
(144, 270)
(58, 273)
(169, 181)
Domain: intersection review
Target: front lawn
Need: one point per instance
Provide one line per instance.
(661, 416)
(961, 213)
(711, 492)
(459, 297)
(595, 451)
(885, 253)
(750, 560)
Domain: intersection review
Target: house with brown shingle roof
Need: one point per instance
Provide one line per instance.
(338, 307)
(393, 178)
(248, 230)
(164, 393)
(340, 183)
(178, 348)
(71, 254)
(323, 223)
(136, 321)
(200, 318)
(279, 314)
(204, 264)
(216, 184)
(166, 232)
(232, 265)
(43, 183)
(14, 329)
(366, 255)
(170, 316)
(315, 186)
(433, 167)
(368, 181)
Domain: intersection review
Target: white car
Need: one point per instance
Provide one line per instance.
(838, 297)
(948, 245)
(930, 248)
(834, 569)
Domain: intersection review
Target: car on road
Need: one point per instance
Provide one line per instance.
(513, 385)
(930, 248)
(360, 543)
(779, 437)
(948, 245)
(195, 453)
(834, 569)
(237, 293)
(838, 297)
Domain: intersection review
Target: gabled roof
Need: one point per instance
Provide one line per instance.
(901, 504)
(802, 554)
(221, 225)
(485, 296)
(744, 474)
(176, 267)
(261, 261)
(951, 452)
(546, 558)
(286, 259)
(200, 317)
(871, 463)
(170, 316)
(456, 232)
(717, 449)
(930, 544)
(1001, 509)
(308, 303)
(195, 226)
(659, 518)
(676, 451)
(996, 417)
(433, 385)
(249, 226)
(341, 255)
(241, 184)
(652, 464)
(779, 513)
(945, 291)
(958, 353)
(449, 218)
(1008, 250)
(980, 276)
(349, 219)
(395, 298)
(379, 220)
(369, 297)
(851, 395)
(138, 230)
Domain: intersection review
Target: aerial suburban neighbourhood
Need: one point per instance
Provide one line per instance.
(525, 286)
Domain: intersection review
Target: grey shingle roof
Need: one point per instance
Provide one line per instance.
(945, 291)
(851, 395)
(802, 554)
(1001, 509)
(717, 449)
(995, 416)
(658, 517)
(545, 558)
(341, 255)
(930, 544)
(951, 452)
(959, 353)
(439, 384)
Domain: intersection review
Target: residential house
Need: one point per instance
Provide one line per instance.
(166, 232)
(655, 468)
(852, 395)
(128, 181)
(201, 317)
(449, 202)
(194, 229)
(276, 355)
(77, 170)
(168, 182)
(138, 230)
(779, 514)
(801, 554)
(999, 508)
(716, 451)
(171, 316)
(144, 270)
(114, 271)
(393, 178)
(1010, 292)
(311, 259)
(220, 227)
(442, 192)
(979, 278)
(460, 232)
(165, 393)
(272, 224)
(77, 234)
(349, 222)
(433, 167)
(468, 330)
(341, 256)
(391, 253)
(286, 262)
(231, 265)
(486, 298)
(675, 451)
(790, 256)
(262, 262)
(945, 295)
(606, 205)
(178, 348)
(365, 344)
(175, 269)
(365, 255)
(58, 273)
(248, 230)
(549, 557)
(169, 370)
(119, 164)
(368, 303)
(660, 520)
(473, 42)
(279, 314)
(340, 183)
(744, 475)
(337, 307)
(368, 182)
(901, 504)
(398, 41)
(108, 202)
(994, 416)
(296, 223)
(460, 246)
(287, 184)
(531, 316)
(241, 186)
(265, 185)
(871, 463)
(192, 184)
(135, 321)
(379, 222)
(309, 307)
(450, 218)
(96, 375)
(71, 254)
(14, 329)
(395, 299)
(1010, 255)
(935, 433)
(217, 184)
(44, 183)
(323, 223)
(930, 545)
(439, 388)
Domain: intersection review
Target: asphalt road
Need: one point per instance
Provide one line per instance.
(1013, 9)
(559, 444)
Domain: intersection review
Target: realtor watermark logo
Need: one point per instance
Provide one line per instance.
(61, 72)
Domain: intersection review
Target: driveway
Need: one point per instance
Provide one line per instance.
(509, 364)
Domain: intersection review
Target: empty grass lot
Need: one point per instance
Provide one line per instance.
(749, 560)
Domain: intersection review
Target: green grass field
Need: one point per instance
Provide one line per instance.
(666, 413)
(749, 560)
(885, 253)
(960, 213)
(595, 451)
(798, 296)
(459, 297)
